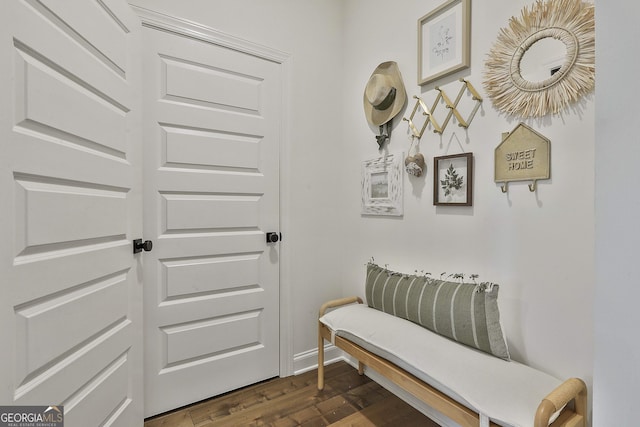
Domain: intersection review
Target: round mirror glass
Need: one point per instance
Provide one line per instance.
(543, 59)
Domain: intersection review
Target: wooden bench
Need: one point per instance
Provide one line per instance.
(569, 399)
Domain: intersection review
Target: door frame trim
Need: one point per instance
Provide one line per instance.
(194, 30)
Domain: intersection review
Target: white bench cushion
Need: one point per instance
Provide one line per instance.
(507, 392)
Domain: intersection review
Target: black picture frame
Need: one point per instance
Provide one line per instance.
(453, 180)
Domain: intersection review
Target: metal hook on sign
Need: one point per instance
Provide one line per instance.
(533, 185)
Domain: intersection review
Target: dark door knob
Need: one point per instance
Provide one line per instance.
(139, 245)
(273, 237)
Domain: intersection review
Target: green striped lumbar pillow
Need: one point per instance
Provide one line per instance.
(465, 312)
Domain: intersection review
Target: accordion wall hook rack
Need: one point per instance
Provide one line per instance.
(425, 114)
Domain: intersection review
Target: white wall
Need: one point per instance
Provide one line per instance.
(538, 246)
(616, 314)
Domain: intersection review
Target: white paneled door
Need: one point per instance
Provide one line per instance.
(70, 205)
(212, 130)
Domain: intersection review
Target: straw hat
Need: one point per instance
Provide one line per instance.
(384, 95)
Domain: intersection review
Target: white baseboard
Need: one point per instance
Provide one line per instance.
(308, 360)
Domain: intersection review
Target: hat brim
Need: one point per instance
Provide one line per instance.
(380, 117)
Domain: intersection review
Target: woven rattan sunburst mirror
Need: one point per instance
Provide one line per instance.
(568, 21)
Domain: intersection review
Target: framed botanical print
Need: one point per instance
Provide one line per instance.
(453, 180)
(444, 39)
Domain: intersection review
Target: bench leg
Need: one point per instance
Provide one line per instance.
(360, 368)
(320, 358)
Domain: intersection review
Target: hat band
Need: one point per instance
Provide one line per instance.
(387, 101)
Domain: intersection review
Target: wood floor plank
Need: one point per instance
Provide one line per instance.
(258, 394)
(366, 394)
(390, 412)
(247, 398)
(336, 408)
(270, 410)
(348, 399)
(274, 405)
(175, 419)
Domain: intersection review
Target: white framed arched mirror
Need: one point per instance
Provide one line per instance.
(543, 60)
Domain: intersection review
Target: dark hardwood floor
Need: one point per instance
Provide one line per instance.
(347, 400)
